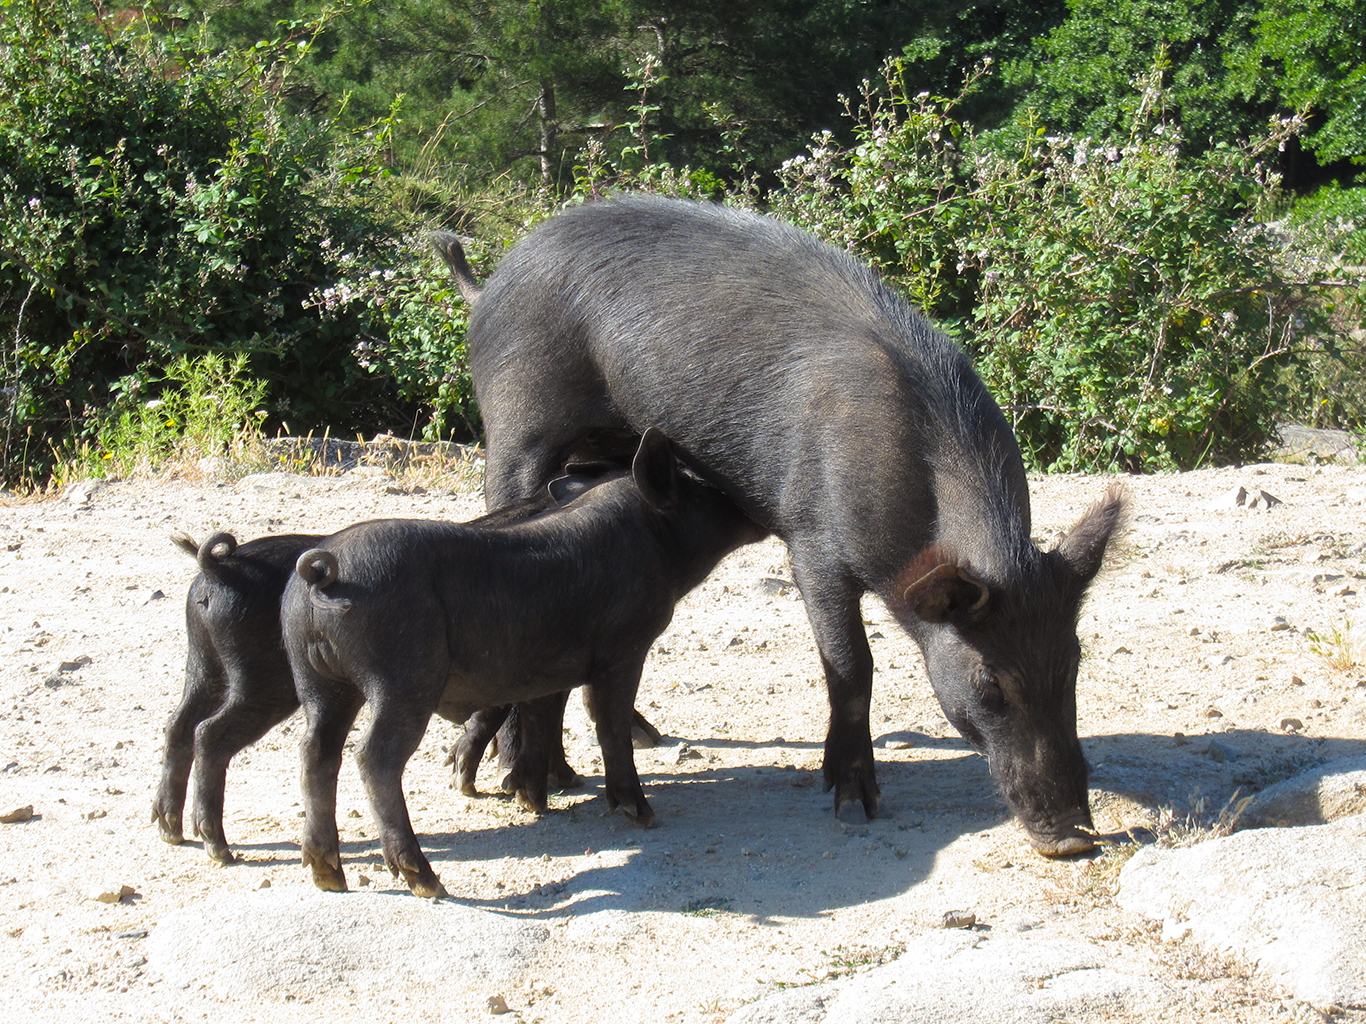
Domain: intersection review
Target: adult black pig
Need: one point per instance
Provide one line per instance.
(839, 418)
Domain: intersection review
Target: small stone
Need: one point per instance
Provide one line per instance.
(353, 813)
(1291, 725)
(1279, 623)
(75, 664)
(497, 1004)
(1296, 681)
(111, 894)
(16, 815)
(96, 814)
(958, 919)
(154, 595)
(1235, 498)
(1263, 500)
(1213, 713)
(363, 881)
(137, 933)
(265, 883)
(681, 753)
(1223, 752)
(1179, 739)
(829, 855)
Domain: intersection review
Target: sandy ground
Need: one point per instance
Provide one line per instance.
(1211, 622)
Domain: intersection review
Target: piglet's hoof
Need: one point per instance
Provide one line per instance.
(644, 816)
(169, 826)
(852, 812)
(327, 877)
(527, 802)
(643, 734)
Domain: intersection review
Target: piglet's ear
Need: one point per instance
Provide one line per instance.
(655, 470)
(1083, 549)
(564, 489)
(948, 593)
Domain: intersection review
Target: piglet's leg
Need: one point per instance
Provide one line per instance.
(330, 713)
(480, 728)
(518, 753)
(611, 698)
(242, 720)
(204, 690)
(395, 732)
(539, 726)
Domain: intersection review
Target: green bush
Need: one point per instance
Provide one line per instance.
(162, 201)
(207, 407)
(1124, 301)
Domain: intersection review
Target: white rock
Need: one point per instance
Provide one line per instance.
(1291, 899)
(1334, 791)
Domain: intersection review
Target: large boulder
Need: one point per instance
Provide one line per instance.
(1290, 899)
(1336, 790)
(302, 944)
(964, 977)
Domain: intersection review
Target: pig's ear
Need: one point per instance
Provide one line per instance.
(948, 593)
(577, 478)
(564, 489)
(655, 470)
(1083, 549)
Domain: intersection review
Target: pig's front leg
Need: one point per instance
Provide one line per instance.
(611, 697)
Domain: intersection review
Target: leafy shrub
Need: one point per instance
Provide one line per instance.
(163, 202)
(207, 407)
(1124, 302)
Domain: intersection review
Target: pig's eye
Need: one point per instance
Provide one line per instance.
(989, 691)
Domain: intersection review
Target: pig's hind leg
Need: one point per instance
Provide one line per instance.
(205, 689)
(245, 717)
(480, 729)
(395, 732)
(330, 709)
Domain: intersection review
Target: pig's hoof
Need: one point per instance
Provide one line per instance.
(562, 778)
(1068, 846)
(219, 852)
(643, 734)
(852, 812)
(644, 816)
(328, 880)
(428, 889)
(169, 825)
(527, 802)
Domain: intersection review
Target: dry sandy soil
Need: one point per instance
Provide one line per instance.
(1212, 622)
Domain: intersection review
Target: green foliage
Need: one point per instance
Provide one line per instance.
(164, 201)
(1123, 302)
(1080, 77)
(207, 408)
(1317, 52)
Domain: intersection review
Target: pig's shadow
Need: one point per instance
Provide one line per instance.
(761, 841)
(1200, 775)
